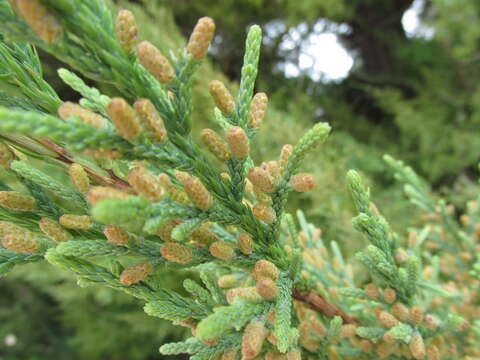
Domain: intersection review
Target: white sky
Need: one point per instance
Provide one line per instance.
(412, 23)
(323, 57)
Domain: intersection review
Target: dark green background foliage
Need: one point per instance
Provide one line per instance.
(415, 98)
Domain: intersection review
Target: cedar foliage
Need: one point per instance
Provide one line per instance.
(268, 284)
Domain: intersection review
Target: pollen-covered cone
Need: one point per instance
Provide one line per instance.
(416, 315)
(201, 37)
(294, 354)
(254, 335)
(238, 141)
(387, 319)
(18, 201)
(176, 193)
(145, 184)
(433, 353)
(372, 291)
(245, 242)
(261, 179)
(37, 16)
(136, 273)
(203, 236)
(69, 109)
(249, 293)
(99, 193)
(154, 61)
(76, 222)
(258, 108)
(21, 242)
(230, 354)
(222, 97)
(265, 268)
(198, 193)
(116, 235)
(79, 177)
(400, 311)
(267, 288)
(389, 295)
(222, 250)
(54, 230)
(151, 120)
(285, 153)
(215, 144)
(126, 29)
(264, 213)
(124, 118)
(349, 331)
(182, 176)
(227, 281)
(176, 252)
(302, 182)
(273, 168)
(165, 230)
(10, 228)
(417, 346)
(273, 354)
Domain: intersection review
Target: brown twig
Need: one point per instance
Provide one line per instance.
(318, 303)
(67, 158)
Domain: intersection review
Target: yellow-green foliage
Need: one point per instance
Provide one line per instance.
(144, 200)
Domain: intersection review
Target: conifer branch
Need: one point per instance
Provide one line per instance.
(141, 194)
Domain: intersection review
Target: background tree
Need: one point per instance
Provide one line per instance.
(413, 95)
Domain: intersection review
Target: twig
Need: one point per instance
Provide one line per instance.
(318, 303)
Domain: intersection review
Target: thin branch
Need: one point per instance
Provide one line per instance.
(318, 303)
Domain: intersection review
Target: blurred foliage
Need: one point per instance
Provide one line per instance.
(53, 318)
(416, 98)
